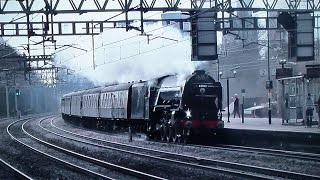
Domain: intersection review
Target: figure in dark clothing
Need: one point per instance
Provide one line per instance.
(286, 107)
(236, 106)
(309, 111)
(318, 110)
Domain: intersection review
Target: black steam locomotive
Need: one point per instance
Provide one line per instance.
(169, 108)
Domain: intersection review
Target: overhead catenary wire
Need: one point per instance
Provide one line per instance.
(108, 44)
(194, 15)
(140, 53)
(125, 58)
(128, 57)
(132, 43)
(143, 52)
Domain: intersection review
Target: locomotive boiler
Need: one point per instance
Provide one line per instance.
(169, 108)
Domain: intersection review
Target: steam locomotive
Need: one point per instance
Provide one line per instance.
(167, 108)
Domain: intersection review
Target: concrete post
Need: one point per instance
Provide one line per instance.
(283, 103)
(16, 105)
(305, 91)
(228, 97)
(7, 101)
(31, 98)
(242, 109)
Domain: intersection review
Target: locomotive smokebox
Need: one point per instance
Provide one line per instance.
(199, 72)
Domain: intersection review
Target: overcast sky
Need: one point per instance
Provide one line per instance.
(168, 51)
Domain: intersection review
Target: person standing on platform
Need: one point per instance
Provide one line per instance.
(318, 111)
(309, 111)
(286, 107)
(236, 106)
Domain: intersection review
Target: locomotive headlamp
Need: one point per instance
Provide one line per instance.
(188, 113)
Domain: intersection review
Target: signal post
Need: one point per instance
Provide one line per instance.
(17, 94)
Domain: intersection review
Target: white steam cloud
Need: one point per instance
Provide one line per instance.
(132, 59)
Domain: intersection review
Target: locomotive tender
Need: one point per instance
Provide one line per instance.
(168, 107)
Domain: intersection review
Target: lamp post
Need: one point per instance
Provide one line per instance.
(228, 94)
(269, 82)
(284, 107)
(282, 62)
(17, 94)
(7, 91)
(243, 93)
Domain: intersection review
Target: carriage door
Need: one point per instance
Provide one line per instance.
(140, 101)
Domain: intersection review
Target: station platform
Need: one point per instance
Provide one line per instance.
(257, 132)
(263, 125)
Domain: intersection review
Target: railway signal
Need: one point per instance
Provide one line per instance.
(300, 27)
(17, 92)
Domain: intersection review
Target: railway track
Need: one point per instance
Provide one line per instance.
(73, 166)
(264, 151)
(16, 172)
(12, 171)
(236, 169)
(247, 149)
(59, 160)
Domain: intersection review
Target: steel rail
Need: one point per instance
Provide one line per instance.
(197, 160)
(264, 151)
(19, 174)
(94, 160)
(73, 166)
(216, 169)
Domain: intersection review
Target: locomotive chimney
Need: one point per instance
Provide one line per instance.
(199, 72)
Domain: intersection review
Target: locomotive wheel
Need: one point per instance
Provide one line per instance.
(169, 133)
(174, 133)
(185, 136)
(147, 137)
(163, 132)
(179, 136)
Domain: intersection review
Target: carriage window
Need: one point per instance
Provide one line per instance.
(87, 101)
(92, 101)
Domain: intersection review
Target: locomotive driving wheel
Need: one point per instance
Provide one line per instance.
(185, 136)
(169, 132)
(179, 135)
(163, 132)
(174, 133)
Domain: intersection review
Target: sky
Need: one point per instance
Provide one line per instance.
(119, 55)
